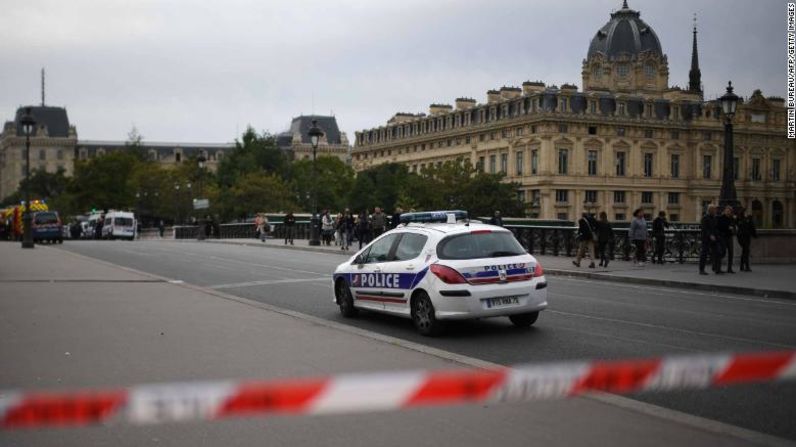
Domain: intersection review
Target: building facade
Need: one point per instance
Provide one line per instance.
(627, 140)
(55, 145)
(296, 141)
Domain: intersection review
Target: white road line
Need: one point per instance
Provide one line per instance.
(265, 283)
(673, 329)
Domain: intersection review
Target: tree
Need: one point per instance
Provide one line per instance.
(381, 186)
(104, 182)
(259, 192)
(332, 182)
(134, 144)
(253, 153)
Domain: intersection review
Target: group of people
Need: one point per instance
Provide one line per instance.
(718, 231)
(364, 227)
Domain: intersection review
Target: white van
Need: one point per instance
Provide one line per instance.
(119, 225)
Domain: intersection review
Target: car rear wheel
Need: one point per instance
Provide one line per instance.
(423, 315)
(345, 301)
(524, 320)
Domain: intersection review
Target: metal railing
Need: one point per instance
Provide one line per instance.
(682, 243)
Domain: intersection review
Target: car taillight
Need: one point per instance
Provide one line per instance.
(447, 274)
(538, 271)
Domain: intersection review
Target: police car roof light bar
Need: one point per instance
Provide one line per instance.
(432, 216)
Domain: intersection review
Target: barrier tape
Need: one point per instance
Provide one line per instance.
(353, 393)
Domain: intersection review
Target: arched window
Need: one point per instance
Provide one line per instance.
(649, 70)
(777, 214)
(757, 213)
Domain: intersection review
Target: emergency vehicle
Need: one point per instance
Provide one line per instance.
(438, 266)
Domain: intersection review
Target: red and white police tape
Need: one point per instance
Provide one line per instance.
(352, 393)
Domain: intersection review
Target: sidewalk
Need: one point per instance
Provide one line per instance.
(771, 281)
(93, 324)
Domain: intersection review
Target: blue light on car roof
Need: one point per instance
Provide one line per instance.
(432, 216)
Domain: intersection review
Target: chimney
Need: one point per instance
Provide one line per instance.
(572, 88)
(510, 92)
(529, 88)
(492, 96)
(438, 109)
(464, 103)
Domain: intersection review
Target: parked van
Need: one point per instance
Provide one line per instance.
(119, 225)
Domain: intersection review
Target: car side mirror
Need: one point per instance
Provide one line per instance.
(359, 260)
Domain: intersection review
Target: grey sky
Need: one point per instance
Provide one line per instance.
(199, 71)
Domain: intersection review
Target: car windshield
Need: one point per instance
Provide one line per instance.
(123, 221)
(478, 245)
(45, 218)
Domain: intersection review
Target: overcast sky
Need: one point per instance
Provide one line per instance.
(201, 71)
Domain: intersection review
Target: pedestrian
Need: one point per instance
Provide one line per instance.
(496, 219)
(266, 229)
(327, 227)
(396, 217)
(378, 222)
(638, 236)
(726, 226)
(659, 226)
(338, 233)
(349, 223)
(289, 224)
(363, 228)
(605, 235)
(161, 228)
(746, 231)
(98, 227)
(709, 239)
(259, 226)
(586, 230)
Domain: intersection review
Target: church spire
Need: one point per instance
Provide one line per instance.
(695, 76)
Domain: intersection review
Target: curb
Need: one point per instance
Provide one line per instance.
(720, 288)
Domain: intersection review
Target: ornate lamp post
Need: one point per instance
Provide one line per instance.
(729, 102)
(315, 225)
(201, 222)
(28, 124)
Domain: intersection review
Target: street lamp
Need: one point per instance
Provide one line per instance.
(727, 196)
(315, 134)
(201, 223)
(28, 124)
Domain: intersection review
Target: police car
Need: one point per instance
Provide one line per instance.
(438, 266)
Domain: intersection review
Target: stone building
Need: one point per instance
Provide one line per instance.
(296, 141)
(54, 145)
(627, 139)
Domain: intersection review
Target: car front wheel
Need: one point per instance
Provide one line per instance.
(524, 320)
(423, 315)
(345, 301)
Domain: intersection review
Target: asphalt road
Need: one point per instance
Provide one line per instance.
(586, 319)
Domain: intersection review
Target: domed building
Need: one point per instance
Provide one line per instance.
(625, 55)
(625, 139)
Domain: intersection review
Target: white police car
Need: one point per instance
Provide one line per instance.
(430, 271)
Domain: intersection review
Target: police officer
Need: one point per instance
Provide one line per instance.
(659, 226)
(709, 240)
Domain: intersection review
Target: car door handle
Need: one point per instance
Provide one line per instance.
(410, 267)
(377, 269)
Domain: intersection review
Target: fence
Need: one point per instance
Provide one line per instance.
(682, 243)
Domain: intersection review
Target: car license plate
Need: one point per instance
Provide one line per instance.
(502, 301)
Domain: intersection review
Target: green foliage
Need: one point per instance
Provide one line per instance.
(259, 192)
(252, 154)
(331, 180)
(383, 186)
(103, 182)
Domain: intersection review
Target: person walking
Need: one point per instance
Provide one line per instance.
(347, 228)
(327, 227)
(605, 235)
(161, 228)
(363, 228)
(638, 236)
(266, 227)
(496, 219)
(289, 225)
(396, 217)
(378, 222)
(746, 231)
(659, 226)
(586, 233)
(709, 238)
(726, 226)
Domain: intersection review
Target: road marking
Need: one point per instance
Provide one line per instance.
(266, 282)
(667, 328)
